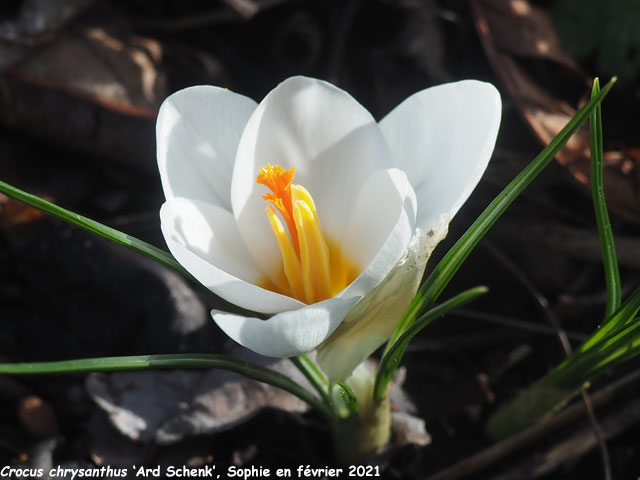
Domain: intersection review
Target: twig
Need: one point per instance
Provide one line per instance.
(516, 323)
(597, 431)
(510, 445)
(533, 290)
(575, 446)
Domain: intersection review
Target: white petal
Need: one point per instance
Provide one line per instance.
(198, 131)
(381, 225)
(373, 319)
(443, 138)
(289, 333)
(332, 141)
(205, 240)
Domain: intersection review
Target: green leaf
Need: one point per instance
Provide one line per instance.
(343, 400)
(609, 342)
(195, 360)
(612, 275)
(628, 348)
(109, 233)
(581, 366)
(455, 257)
(393, 356)
(622, 316)
(137, 245)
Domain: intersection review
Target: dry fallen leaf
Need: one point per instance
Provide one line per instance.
(95, 88)
(167, 406)
(516, 30)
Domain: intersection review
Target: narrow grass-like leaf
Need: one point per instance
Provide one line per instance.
(311, 371)
(303, 363)
(580, 367)
(626, 352)
(455, 257)
(610, 261)
(343, 400)
(555, 389)
(576, 368)
(92, 226)
(625, 314)
(144, 362)
(116, 236)
(391, 358)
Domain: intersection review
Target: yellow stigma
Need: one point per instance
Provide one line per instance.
(313, 268)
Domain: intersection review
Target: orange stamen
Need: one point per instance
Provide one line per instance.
(313, 268)
(278, 180)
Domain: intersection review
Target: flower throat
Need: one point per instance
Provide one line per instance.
(313, 268)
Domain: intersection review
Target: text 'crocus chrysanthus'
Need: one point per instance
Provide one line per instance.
(305, 208)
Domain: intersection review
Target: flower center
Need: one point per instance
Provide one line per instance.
(313, 268)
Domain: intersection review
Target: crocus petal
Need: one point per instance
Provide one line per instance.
(198, 131)
(381, 224)
(443, 137)
(289, 333)
(334, 144)
(373, 319)
(204, 238)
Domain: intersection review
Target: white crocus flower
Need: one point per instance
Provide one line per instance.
(303, 207)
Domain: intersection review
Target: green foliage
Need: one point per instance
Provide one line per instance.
(392, 357)
(92, 226)
(607, 31)
(455, 257)
(605, 233)
(615, 341)
(338, 400)
(187, 360)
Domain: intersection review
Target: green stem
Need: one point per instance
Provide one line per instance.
(195, 360)
(312, 373)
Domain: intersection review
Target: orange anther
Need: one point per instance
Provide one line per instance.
(278, 180)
